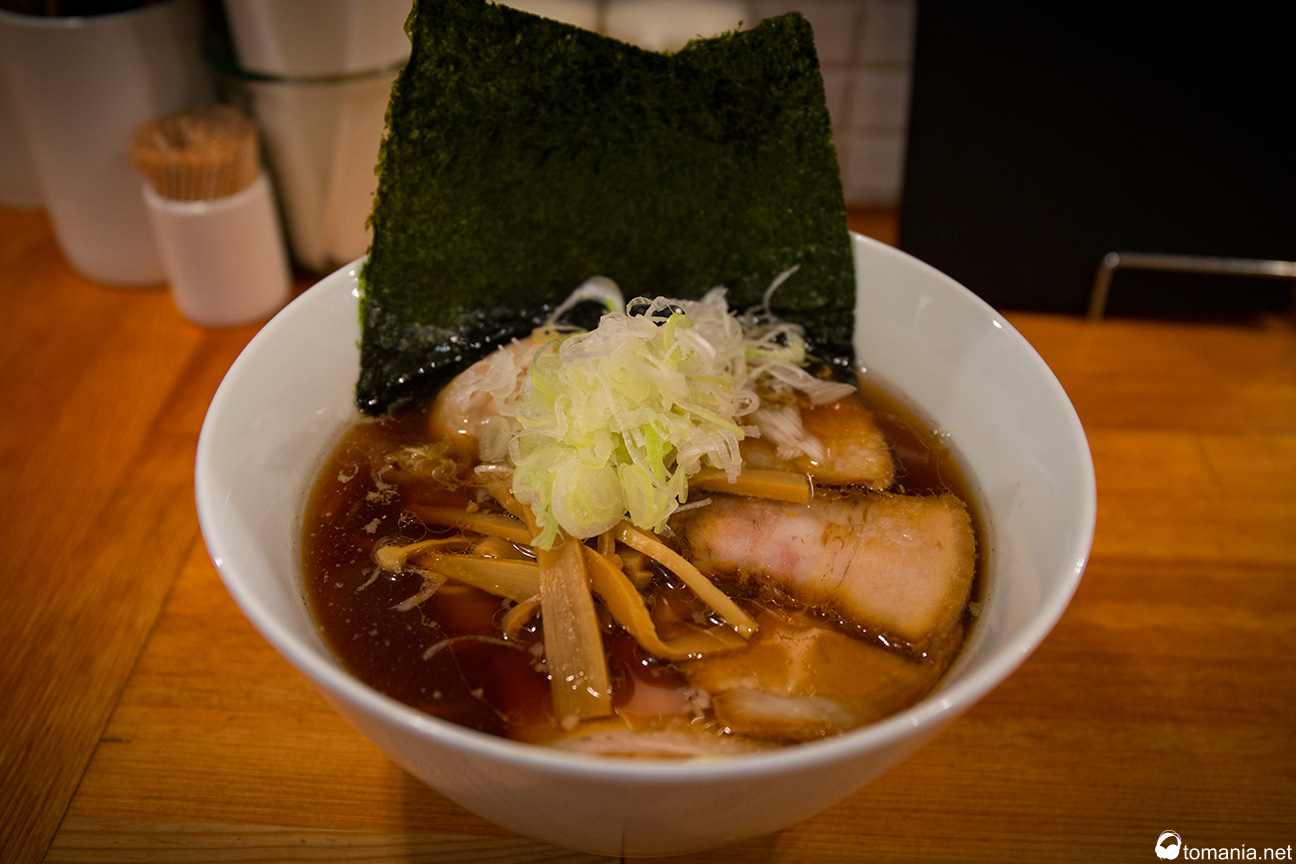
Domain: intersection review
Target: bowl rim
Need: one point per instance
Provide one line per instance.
(328, 675)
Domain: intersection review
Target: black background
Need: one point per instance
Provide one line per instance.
(1042, 137)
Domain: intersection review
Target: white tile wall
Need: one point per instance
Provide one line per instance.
(834, 23)
(872, 120)
(865, 50)
(879, 99)
(886, 39)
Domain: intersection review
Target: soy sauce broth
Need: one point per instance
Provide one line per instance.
(444, 656)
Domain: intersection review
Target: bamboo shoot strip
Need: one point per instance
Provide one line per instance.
(579, 684)
(787, 486)
(573, 641)
(512, 621)
(707, 592)
(627, 607)
(489, 524)
(393, 558)
(516, 580)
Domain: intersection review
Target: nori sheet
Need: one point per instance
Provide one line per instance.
(524, 155)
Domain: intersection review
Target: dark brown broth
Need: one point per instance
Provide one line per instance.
(443, 657)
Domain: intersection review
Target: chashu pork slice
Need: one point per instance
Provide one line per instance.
(800, 679)
(899, 566)
(845, 444)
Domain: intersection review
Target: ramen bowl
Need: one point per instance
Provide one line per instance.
(286, 400)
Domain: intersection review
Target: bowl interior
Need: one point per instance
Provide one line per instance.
(1015, 432)
(287, 398)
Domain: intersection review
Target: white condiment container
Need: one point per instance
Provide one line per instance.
(18, 186)
(322, 137)
(312, 38)
(78, 86)
(213, 216)
(224, 257)
(317, 75)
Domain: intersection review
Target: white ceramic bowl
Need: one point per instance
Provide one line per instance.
(286, 398)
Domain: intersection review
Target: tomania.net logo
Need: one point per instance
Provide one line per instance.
(1170, 846)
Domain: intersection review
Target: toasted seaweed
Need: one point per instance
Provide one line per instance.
(523, 156)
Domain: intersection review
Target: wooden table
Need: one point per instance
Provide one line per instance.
(142, 719)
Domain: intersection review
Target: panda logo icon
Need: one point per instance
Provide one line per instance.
(1168, 845)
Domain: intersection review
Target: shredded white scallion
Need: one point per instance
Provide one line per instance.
(599, 289)
(609, 424)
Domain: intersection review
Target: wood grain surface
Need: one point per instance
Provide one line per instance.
(142, 719)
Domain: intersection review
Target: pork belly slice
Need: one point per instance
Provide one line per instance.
(799, 679)
(852, 449)
(899, 566)
(467, 406)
